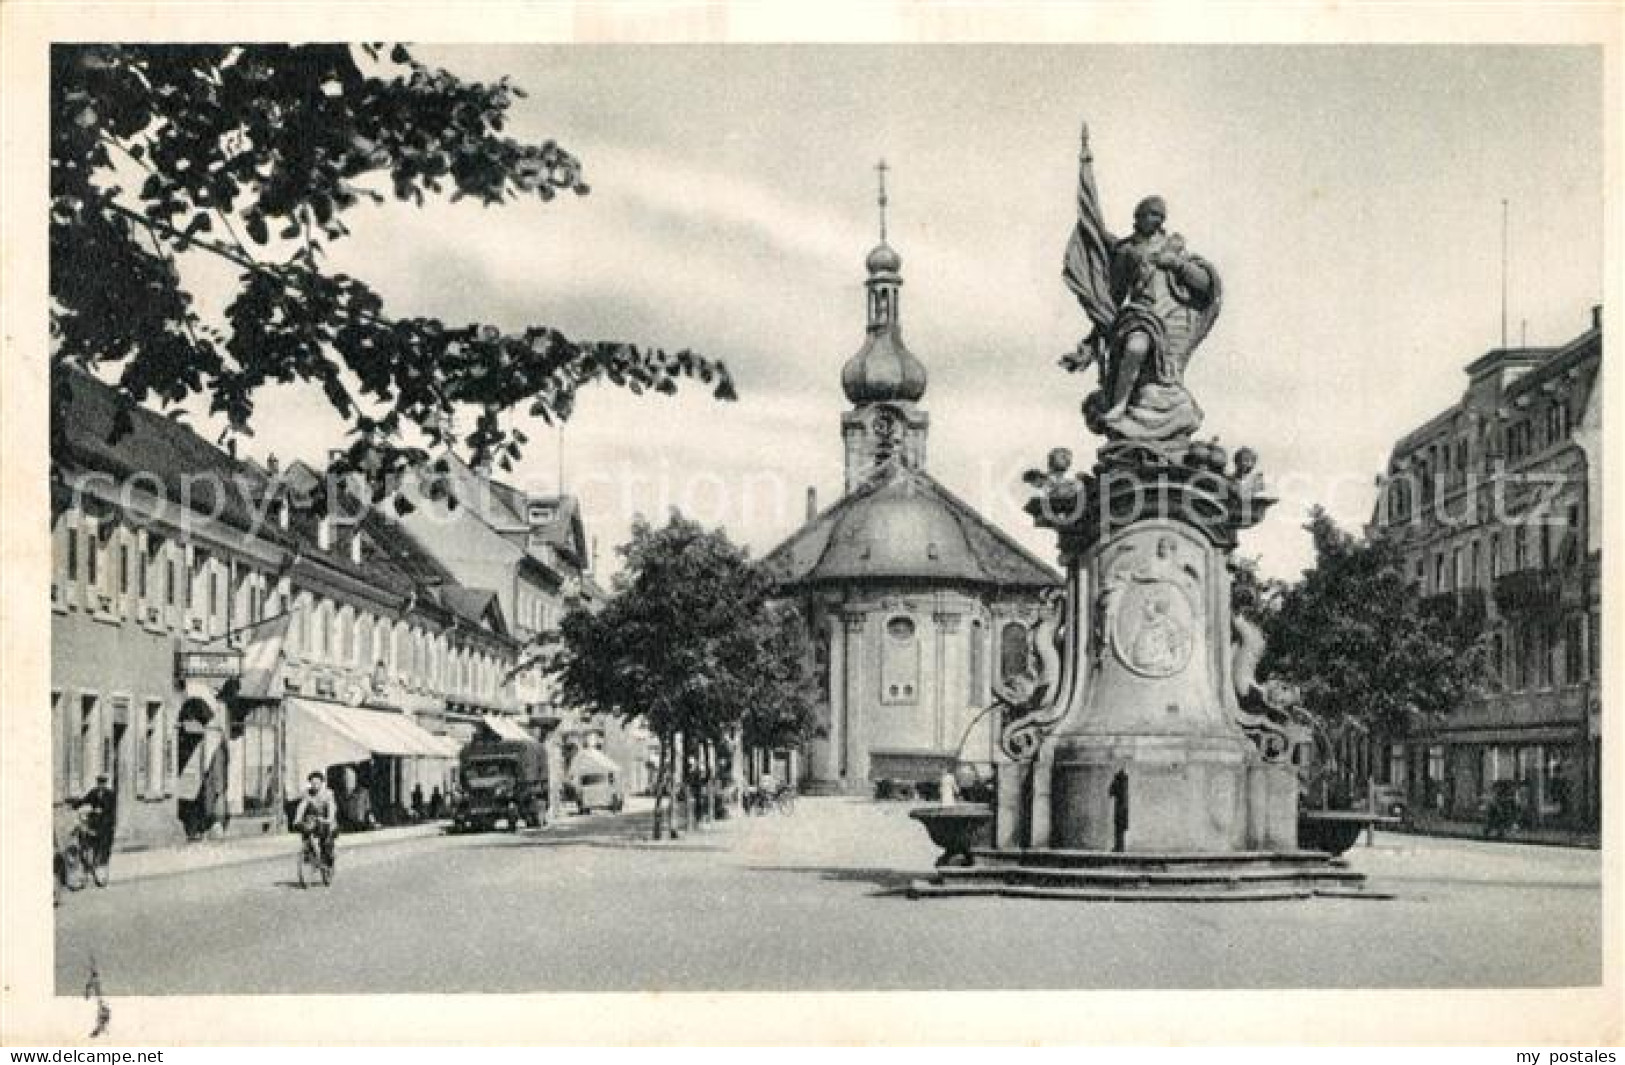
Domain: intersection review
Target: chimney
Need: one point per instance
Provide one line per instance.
(1596, 316)
(812, 502)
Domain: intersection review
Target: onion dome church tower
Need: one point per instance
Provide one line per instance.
(883, 381)
(918, 605)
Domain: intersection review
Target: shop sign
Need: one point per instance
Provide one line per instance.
(208, 665)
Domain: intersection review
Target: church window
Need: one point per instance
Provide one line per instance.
(978, 663)
(1013, 651)
(900, 662)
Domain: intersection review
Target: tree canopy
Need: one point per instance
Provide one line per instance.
(257, 154)
(691, 642)
(1359, 643)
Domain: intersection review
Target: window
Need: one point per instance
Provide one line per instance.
(900, 662)
(84, 750)
(1520, 547)
(1495, 555)
(214, 594)
(1497, 664)
(60, 757)
(1473, 573)
(1014, 651)
(73, 553)
(123, 569)
(1520, 657)
(141, 575)
(1574, 649)
(978, 663)
(1438, 572)
(1458, 572)
(169, 581)
(151, 756)
(1557, 419)
(258, 746)
(1594, 641)
(1546, 653)
(91, 559)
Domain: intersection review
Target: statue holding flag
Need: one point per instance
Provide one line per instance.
(1151, 303)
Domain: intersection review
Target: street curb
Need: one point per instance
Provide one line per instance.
(231, 855)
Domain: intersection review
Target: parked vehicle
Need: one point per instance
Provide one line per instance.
(1387, 799)
(503, 780)
(595, 783)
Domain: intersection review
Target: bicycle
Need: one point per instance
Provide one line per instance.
(313, 864)
(81, 860)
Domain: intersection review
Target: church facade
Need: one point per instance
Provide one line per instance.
(918, 606)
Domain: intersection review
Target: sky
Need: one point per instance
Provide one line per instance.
(1349, 196)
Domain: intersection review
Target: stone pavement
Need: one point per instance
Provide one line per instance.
(813, 901)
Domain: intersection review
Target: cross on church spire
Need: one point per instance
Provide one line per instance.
(880, 169)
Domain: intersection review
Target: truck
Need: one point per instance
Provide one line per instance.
(503, 780)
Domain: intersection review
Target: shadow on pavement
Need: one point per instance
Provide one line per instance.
(890, 882)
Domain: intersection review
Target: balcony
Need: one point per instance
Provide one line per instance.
(1530, 591)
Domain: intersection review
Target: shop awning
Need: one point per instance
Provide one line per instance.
(326, 734)
(449, 746)
(505, 728)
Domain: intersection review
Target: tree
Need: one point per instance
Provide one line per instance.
(1361, 646)
(257, 154)
(691, 642)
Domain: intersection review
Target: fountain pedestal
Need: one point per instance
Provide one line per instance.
(1144, 747)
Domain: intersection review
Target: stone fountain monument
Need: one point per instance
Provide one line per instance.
(1144, 756)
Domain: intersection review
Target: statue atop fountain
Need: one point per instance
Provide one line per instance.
(1142, 705)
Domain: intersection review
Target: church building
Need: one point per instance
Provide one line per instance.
(918, 605)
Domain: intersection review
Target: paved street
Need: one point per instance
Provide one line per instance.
(809, 902)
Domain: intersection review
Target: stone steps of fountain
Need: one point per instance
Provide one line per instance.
(1229, 860)
(958, 889)
(1112, 876)
(1223, 879)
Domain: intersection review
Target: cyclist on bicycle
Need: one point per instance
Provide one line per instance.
(317, 813)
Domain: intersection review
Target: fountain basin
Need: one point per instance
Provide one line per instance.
(1334, 831)
(958, 828)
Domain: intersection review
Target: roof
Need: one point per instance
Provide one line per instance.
(1542, 364)
(904, 524)
(478, 605)
(154, 447)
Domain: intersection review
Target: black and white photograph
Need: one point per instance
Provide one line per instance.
(626, 515)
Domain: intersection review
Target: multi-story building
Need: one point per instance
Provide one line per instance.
(216, 635)
(532, 550)
(1496, 506)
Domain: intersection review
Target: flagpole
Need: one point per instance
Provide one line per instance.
(262, 621)
(1503, 273)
